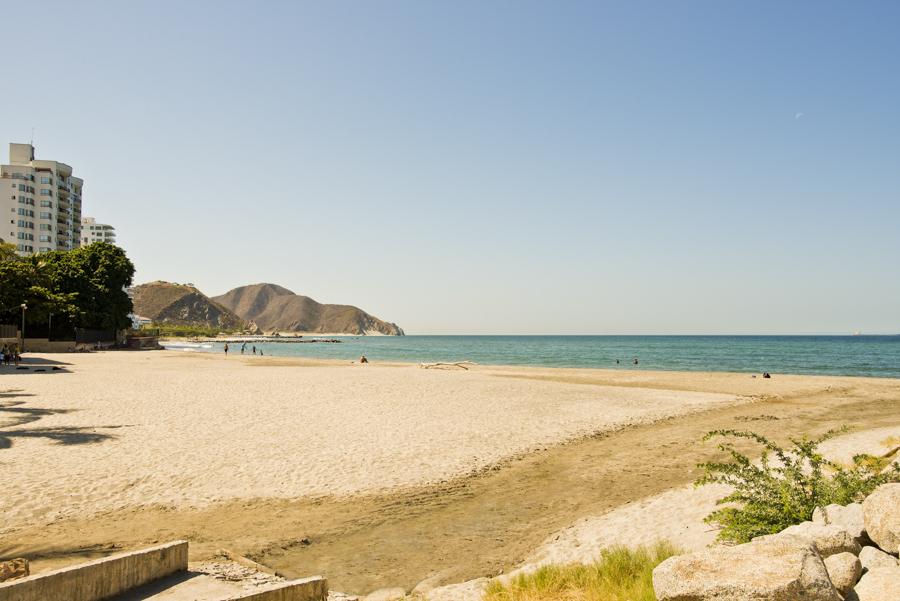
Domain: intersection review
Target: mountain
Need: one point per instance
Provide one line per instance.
(180, 304)
(272, 307)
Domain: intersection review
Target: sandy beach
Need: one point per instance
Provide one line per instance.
(289, 461)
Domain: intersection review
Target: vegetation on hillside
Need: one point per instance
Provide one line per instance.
(82, 288)
(785, 485)
(167, 304)
(169, 330)
(619, 574)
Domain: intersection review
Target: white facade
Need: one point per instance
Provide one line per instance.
(40, 203)
(91, 232)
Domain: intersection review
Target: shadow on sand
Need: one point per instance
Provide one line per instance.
(14, 414)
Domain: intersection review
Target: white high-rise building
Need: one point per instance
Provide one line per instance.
(91, 231)
(40, 203)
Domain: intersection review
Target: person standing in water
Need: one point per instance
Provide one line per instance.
(226, 349)
(254, 349)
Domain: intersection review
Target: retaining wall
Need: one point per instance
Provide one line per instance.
(42, 345)
(305, 589)
(106, 577)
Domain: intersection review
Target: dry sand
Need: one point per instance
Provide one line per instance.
(375, 475)
(193, 429)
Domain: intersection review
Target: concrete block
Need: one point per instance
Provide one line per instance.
(305, 589)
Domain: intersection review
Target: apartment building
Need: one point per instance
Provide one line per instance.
(91, 232)
(40, 203)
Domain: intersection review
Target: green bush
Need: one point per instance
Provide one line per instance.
(786, 485)
(620, 574)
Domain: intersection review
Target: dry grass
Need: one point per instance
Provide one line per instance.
(619, 574)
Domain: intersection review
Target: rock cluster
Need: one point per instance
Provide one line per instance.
(14, 568)
(847, 553)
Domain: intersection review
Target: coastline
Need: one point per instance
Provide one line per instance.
(864, 356)
(366, 453)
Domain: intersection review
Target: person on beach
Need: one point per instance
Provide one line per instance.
(254, 349)
(243, 346)
(226, 349)
(362, 359)
(635, 361)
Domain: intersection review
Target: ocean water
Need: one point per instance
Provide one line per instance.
(833, 355)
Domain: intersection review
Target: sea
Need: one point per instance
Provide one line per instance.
(877, 356)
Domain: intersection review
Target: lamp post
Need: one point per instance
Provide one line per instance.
(24, 307)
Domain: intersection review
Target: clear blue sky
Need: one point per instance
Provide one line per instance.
(488, 167)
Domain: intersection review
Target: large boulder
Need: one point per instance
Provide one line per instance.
(873, 557)
(878, 584)
(881, 513)
(849, 517)
(844, 571)
(829, 539)
(772, 569)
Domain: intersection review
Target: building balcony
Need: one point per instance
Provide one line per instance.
(23, 176)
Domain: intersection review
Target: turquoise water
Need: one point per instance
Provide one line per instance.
(835, 355)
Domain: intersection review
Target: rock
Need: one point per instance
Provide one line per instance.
(772, 569)
(386, 594)
(430, 583)
(14, 568)
(844, 570)
(849, 517)
(828, 539)
(873, 557)
(878, 584)
(881, 514)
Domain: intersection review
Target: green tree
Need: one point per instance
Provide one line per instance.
(97, 275)
(7, 252)
(84, 287)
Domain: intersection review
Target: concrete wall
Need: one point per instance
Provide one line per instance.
(102, 578)
(42, 345)
(306, 589)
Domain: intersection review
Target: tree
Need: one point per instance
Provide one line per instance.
(84, 288)
(7, 252)
(98, 275)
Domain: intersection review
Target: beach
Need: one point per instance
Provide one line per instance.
(376, 474)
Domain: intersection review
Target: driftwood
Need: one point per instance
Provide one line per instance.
(441, 365)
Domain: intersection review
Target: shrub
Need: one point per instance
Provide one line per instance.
(620, 574)
(786, 485)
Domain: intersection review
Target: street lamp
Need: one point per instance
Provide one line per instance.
(24, 307)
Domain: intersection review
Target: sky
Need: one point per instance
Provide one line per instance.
(488, 167)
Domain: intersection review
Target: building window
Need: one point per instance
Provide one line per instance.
(46, 180)
(46, 227)
(47, 204)
(46, 239)
(45, 215)
(46, 192)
